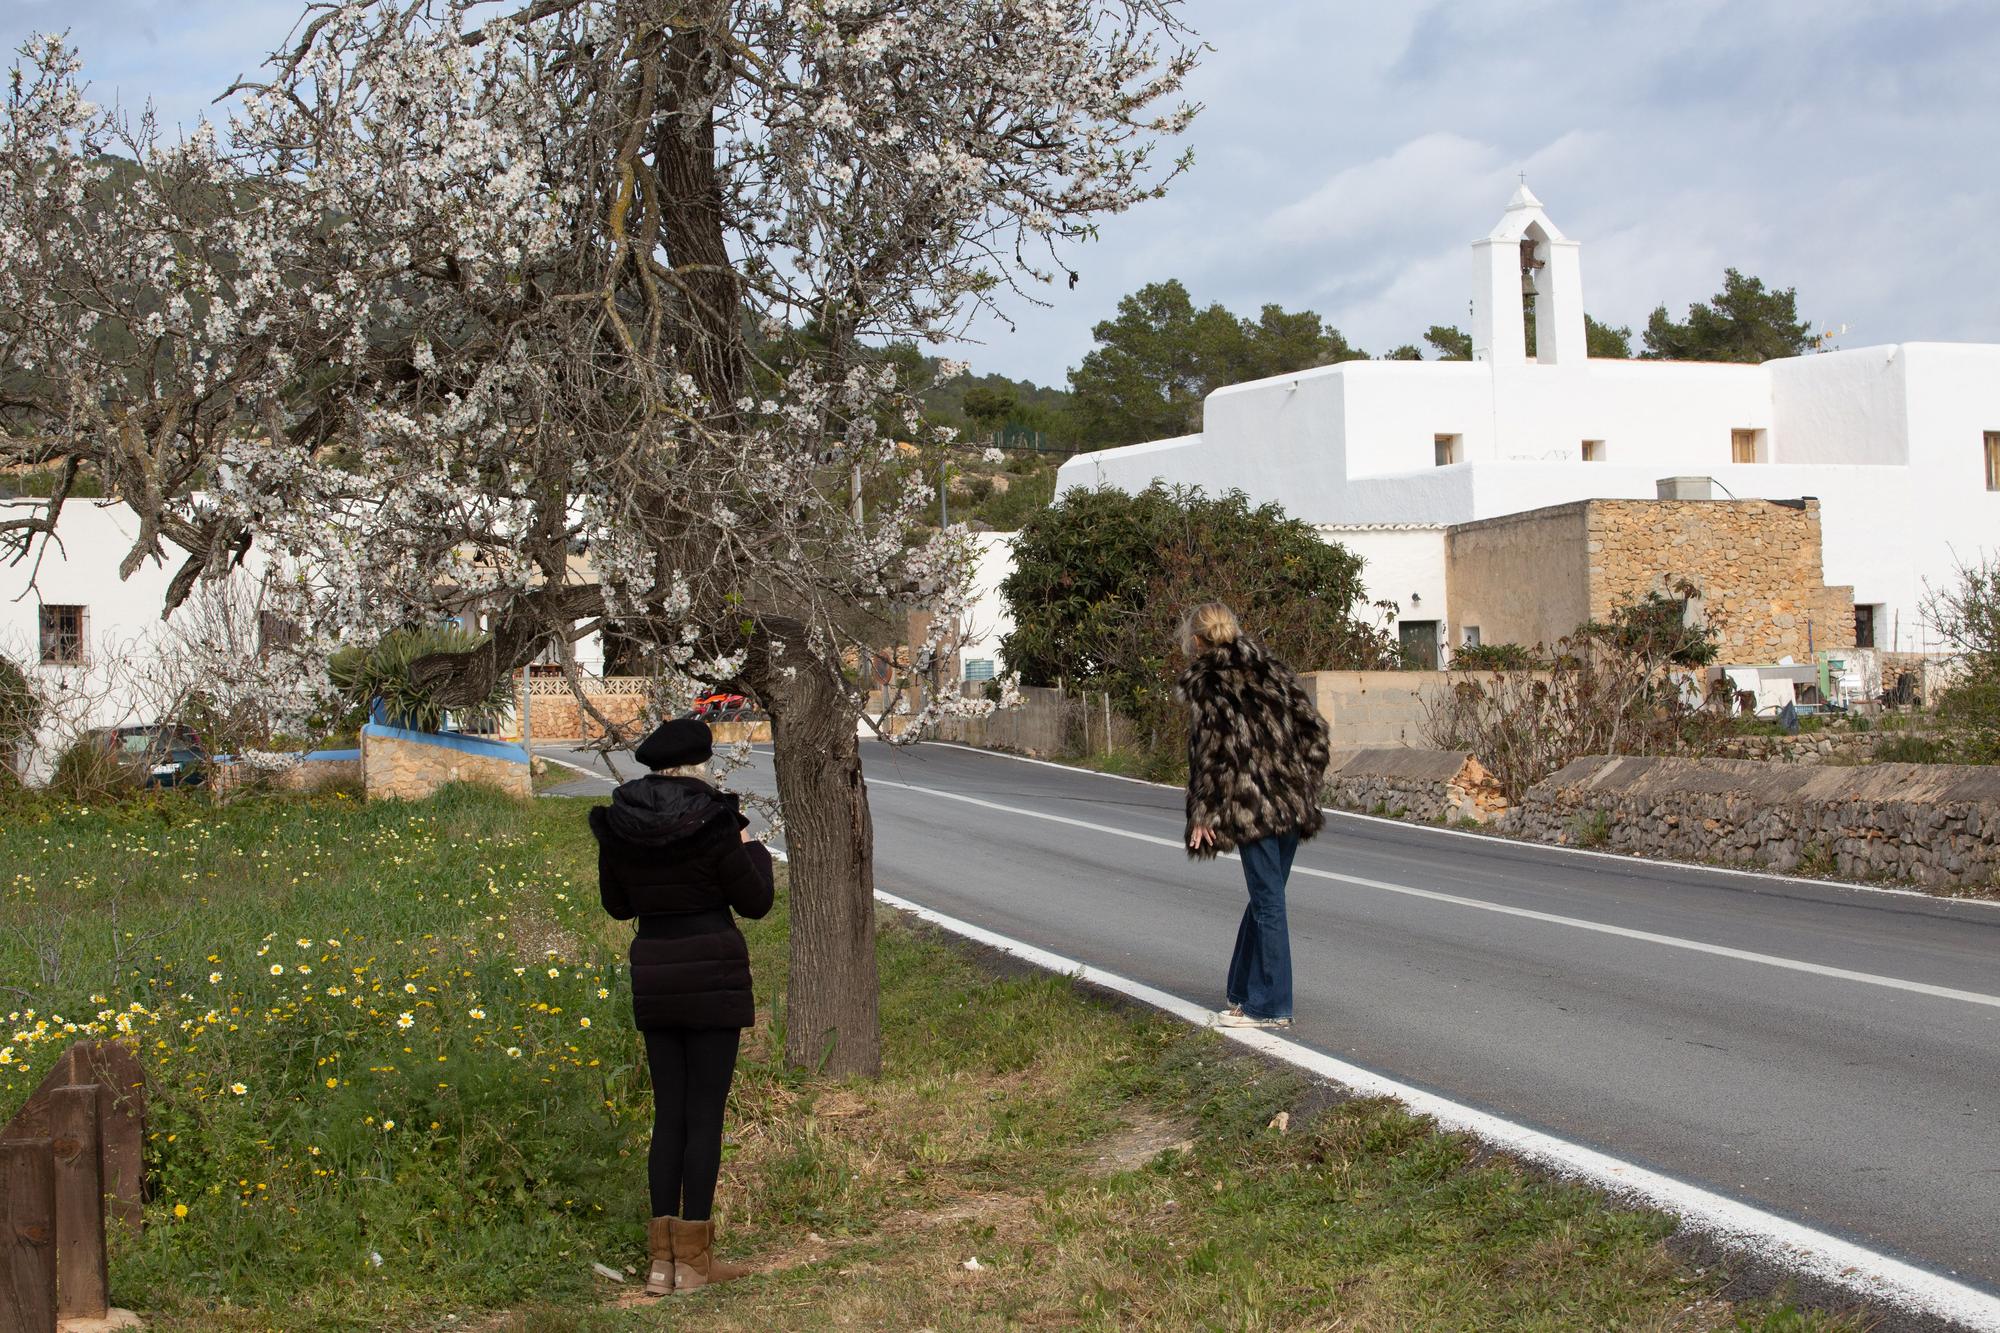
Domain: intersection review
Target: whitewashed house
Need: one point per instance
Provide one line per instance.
(1900, 443)
(67, 619)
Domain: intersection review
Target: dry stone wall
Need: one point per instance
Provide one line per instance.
(1937, 825)
(1438, 786)
(1808, 747)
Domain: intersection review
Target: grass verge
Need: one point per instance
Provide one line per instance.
(396, 1088)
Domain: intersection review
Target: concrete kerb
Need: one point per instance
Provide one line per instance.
(1780, 1252)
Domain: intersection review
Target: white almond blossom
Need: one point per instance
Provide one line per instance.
(570, 318)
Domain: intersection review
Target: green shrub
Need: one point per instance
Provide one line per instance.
(1970, 713)
(20, 713)
(1907, 748)
(89, 770)
(1818, 860)
(1497, 657)
(1592, 829)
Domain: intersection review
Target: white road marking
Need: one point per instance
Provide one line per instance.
(1826, 1258)
(1480, 904)
(587, 772)
(1627, 858)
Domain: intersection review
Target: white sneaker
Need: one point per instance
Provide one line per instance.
(1236, 1018)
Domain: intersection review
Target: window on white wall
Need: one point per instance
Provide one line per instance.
(62, 635)
(1993, 460)
(1445, 449)
(1593, 451)
(1746, 446)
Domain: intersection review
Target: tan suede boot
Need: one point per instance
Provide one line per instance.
(660, 1245)
(695, 1264)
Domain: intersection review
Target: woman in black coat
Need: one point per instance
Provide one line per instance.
(677, 854)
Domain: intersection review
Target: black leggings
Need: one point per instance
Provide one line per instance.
(691, 1068)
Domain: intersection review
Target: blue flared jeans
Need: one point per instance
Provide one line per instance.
(1260, 971)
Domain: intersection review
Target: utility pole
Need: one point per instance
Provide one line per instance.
(854, 486)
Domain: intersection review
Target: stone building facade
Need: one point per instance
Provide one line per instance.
(1531, 578)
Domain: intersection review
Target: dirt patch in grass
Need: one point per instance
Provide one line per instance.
(1144, 1138)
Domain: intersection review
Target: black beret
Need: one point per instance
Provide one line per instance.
(676, 744)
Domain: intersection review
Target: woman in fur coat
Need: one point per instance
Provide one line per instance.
(1257, 755)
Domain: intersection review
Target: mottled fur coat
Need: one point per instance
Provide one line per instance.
(1257, 748)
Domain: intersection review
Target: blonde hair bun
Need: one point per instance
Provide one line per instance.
(1211, 624)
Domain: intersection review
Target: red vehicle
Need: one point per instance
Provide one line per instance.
(721, 707)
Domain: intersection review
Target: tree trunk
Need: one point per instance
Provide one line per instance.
(831, 1018)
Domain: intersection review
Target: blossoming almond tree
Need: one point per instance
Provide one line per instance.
(567, 312)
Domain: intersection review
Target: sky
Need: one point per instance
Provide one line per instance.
(1350, 152)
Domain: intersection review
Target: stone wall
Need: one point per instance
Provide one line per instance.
(1937, 825)
(398, 764)
(1534, 577)
(1047, 722)
(555, 714)
(312, 775)
(1808, 747)
(1438, 786)
(1756, 562)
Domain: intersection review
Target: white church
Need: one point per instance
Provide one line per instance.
(1900, 444)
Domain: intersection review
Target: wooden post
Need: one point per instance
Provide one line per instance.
(82, 1287)
(28, 1237)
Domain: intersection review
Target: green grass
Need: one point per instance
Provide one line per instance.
(1107, 1168)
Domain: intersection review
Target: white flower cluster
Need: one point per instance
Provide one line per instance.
(457, 323)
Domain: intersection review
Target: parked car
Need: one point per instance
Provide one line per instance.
(157, 755)
(721, 707)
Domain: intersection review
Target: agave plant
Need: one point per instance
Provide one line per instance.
(382, 672)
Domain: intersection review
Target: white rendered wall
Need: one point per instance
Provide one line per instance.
(1402, 565)
(1841, 407)
(1133, 467)
(1950, 518)
(121, 619)
(988, 619)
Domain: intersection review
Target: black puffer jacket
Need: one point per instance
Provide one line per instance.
(1257, 748)
(669, 852)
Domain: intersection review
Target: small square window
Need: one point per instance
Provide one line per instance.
(1993, 460)
(1864, 626)
(1593, 451)
(1471, 636)
(1445, 449)
(62, 635)
(1746, 446)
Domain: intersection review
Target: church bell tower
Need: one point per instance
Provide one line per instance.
(1527, 271)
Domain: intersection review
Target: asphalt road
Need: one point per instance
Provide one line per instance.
(1829, 1054)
